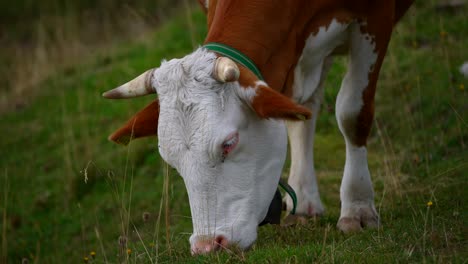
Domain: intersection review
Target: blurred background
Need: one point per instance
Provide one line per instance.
(67, 195)
(38, 38)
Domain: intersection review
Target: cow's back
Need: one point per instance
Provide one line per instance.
(273, 34)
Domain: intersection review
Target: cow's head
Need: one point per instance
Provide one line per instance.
(222, 129)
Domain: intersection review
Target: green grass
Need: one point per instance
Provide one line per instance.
(417, 153)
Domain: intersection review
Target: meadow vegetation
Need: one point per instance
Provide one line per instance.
(68, 195)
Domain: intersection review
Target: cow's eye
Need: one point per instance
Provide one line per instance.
(229, 144)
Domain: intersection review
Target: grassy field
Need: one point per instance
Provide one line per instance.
(67, 192)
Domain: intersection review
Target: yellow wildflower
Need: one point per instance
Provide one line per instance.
(85, 259)
(429, 204)
(92, 253)
(129, 251)
(461, 87)
(443, 34)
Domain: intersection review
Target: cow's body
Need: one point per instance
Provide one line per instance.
(293, 46)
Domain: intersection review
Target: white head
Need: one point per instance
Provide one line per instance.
(219, 127)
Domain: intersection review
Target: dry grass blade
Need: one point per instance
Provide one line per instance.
(98, 236)
(143, 244)
(6, 188)
(166, 206)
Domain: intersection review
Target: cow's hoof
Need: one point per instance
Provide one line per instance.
(308, 208)
(349, 225)
(315, 209)
(292, 220)
(365, 218)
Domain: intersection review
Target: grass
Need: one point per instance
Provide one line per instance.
(67, 191)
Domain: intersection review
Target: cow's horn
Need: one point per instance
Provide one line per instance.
(139, 86)
(225, 70)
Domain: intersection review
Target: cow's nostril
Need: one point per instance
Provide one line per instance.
(221, 241)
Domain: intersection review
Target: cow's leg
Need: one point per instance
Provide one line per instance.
(354, 113)
(302, 176)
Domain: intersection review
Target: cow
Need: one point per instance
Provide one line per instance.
(224, 112)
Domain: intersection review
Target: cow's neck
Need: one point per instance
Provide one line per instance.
(275, 39)
(273, 48)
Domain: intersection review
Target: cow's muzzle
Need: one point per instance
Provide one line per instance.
(208, 245)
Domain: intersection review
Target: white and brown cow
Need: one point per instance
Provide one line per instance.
(223, 128)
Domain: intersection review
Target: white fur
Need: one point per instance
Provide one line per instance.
(248, 93)
(356, 188)
(464, 69)
(302, 175)
(309, 76)
(197, 113)
(308, 72)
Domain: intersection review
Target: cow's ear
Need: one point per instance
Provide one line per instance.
(268, 103)
(142, 124)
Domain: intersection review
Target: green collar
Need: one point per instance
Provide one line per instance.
(235, 55)
(289, 190)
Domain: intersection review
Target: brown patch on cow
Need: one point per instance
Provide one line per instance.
(246, 77)
(142, 124)
(268, 103)
(211, 11)
(379, 24)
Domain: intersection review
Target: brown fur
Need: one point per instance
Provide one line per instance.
(285, 27)
(270, 104)
(276, 48)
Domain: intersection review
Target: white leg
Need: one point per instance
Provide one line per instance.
(354, 116)
(302, 177)
(302, 174)
(356, 192)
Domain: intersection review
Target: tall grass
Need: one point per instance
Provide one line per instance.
(5, 190)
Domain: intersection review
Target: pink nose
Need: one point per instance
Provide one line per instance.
(208, 245)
